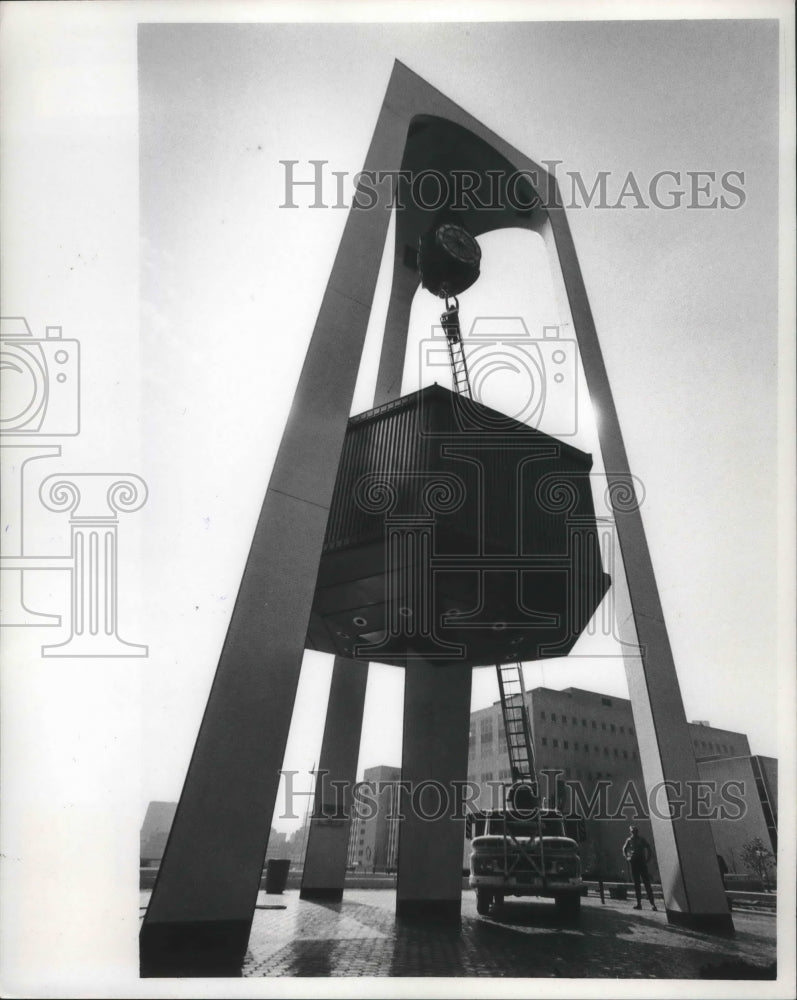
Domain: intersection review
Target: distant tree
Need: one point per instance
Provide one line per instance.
(758, 859)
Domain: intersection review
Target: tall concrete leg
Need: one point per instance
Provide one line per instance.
(693, 890)
(685, 848)
(434, 757)
(328, 838)
(397, 325)
(327, 845)
(200, 914)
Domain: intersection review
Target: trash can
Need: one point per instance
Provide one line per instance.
(277, 875)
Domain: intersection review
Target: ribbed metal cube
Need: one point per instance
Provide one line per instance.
(456, 535)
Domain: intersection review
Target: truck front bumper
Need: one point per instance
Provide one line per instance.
(525, 884)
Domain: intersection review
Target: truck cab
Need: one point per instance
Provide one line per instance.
(533, 854)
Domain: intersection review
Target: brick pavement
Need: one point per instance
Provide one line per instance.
(360, 937)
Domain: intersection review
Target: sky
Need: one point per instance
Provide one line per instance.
(141, 193)
(684, 300)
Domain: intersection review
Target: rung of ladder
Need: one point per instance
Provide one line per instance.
(517, 726)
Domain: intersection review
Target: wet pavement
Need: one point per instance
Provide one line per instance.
(525, 939)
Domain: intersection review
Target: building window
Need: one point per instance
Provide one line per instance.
(633, 754)
(605, 751)
(599, 774)
(594, 724)
(589, 775)
(556, 743)
(603, 726)
(732, 750)
(612, 727)
(553, 716)
(616, 752)
(575, 746)
(567, 772)
(606, 701)
(584, 722)
(622, 729)
(586, 748)
(542, 715)
(574, 721)
(565, 745)
(487, 731)
(630, 730)
(625, 755)
(597, 749)
(545, 741)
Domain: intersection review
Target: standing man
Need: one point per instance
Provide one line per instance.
(637, 850)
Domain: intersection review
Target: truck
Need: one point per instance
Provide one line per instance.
(525, 853)
(523, 848)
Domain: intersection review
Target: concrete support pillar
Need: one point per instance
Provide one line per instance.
(434, 758)
(200, 913)
(327, 845)
(685, 851)
(693, 891)
(328, 837)
(397, 325)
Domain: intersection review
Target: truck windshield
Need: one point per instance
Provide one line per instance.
(526, 828)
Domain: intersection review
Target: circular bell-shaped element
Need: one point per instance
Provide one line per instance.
(448, 260)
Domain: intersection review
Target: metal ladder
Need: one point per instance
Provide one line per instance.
(516, 723)
(520, 747)
(456, 353)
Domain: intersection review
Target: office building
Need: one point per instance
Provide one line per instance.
(155, 832)
(587, 741)
(373, 841)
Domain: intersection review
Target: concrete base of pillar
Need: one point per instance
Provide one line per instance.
(437, 911)
(321, 895)
(328, 841)
(435, 759)
(201, 949)
(710, 923)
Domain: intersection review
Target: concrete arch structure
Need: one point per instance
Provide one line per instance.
(199, 917)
